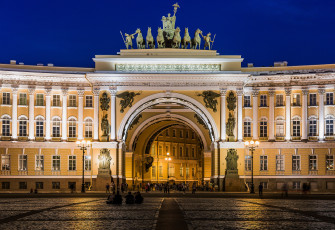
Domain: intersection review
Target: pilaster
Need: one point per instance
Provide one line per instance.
(113, 91)
(80, 113)
(271, 115)
(239, 93)
(14, 112)
(31, 114)
(64, 114)
(255, 94)
(96, 92)
(288, 113)
(304, 114)
(321, 92)
(223, 92)
(48, 114)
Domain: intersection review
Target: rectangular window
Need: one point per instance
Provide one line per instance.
(186, 152)
(280, 100)
(312, 162)
(312, 127)
(5, 162)
(39, 162)
(167, 132)
(329, 99)
(172, 171)
(89, 101)
(167, 150)
(55, 100)
(153, 171)
(173, 151)
(187, 172)
(22, 185)
(72, 101)
(247, 163)
(6, 98)
(88, 163)
(193, 172)
(264, 163)
(186, 134)
(160, 150)
(330, 162)
(263, 125)
(181, 134)
(23, 99)
(22, 128)
(56, 163)
(296, 185)
(39, 99)
(181, 152)
(181, 172)
(39, 128)
(312, 99)
(174, 133)
(6, 127)
(296, 163)
(72, 163)
(265, 185)
(72, 185)
(296, 100)
(193, 152)
(296, 128)
(193, 135)
(247, 101)
(329, 126)
(55, 185)
(160, 171)
(280, 163)
(39, 185)
(279, 127)
(23, 160)
(5, 185)
(247, 129)
(263, 100)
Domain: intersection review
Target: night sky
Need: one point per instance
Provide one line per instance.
(70, 33)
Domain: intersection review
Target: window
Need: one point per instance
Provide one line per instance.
(5, 162)
(23, 127)
(56, 127)
(312, 127)
(72, 163)
(39, 185)
(5, 185)
(296, 100)
(330, 162)
(172, 171)
(186, 134)
(296, 127)
(263, 100)
(187, 172)
(160, 171)
(279, 100)
(280, 163)
(55, 185)
(186, 151)
(263, 125)
(264, 184)
(173, 151)
(56, 163)
(296, 185)
(181, 135)
(167, 132)
(39, 127)
(23, 162)
(89, 101)
(280, 127)
(6, 98)
(247, 128)
(193, 152)
(312, 99)
(181, 152)
(329, 99)
(193, 135)
(55, 100)
(247, 101)
(39, 99)
(23, 99)
(193, 172)
(296, 163)
(72, 128)
(88, 166)
(39, 162)
(6, 126)
(72, 101)
(329, 126)
(174, 133)
(166, 149)
(312, 162)
(160, 150)
(72, 185)
(22, 185)
(264, 163)
(247, 163)
(181, 172)
(88, 128)
(153, 171)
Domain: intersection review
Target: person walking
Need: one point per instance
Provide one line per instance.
(107, 188)
(260, 189)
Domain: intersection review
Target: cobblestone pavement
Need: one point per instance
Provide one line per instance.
(198, 213)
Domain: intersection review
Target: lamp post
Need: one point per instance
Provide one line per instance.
(83, 145)
(251, 147)
(168, 159)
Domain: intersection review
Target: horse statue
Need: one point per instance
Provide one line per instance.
(140, 40)
(160, 39)
(150, 39)
(196, 40)
(186, 40)
(176, 38)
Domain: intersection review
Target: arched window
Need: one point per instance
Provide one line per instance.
(329, 126)
(88, 127)
(263, 128)
(56, 127)
(280, 127)
(39, 126)
(6, 126)
(312, 126)
(72, 127)
(23, 126)
(296, 127)
(247, 127)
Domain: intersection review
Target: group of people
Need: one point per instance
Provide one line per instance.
(137, 198)
(112, 187)
(166, 187)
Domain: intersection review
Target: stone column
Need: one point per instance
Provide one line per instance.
(321, 92)
(80, 113)
(64, 114)
(223, 93)
(48, 114)
(96, 92)
(255, 93)
(239, 115)
(113, 91)
(304, 114)
(271, 115)
(31, 114)
(288, 113)
(14, 113)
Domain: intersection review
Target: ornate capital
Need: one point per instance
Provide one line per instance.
(15, 88)
(113, 91)
(65, 91)
(96, 91)
(80, 92)
(31, 90)
(48, 91)
(239, 92)
(321, 91)
(305, 91)
(288, 91)
(272, 92)
(255, 92)
(223, 92)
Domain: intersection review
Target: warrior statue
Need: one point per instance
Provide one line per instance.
(196, 41)
(186, 40)
(105, 126)
(140, 40)
(129, 39)
(208, 41)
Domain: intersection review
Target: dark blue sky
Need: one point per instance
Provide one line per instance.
(70, 33)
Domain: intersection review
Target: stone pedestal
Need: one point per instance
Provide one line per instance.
(104, 138)
(231, 139)
(232, 181)
(103, 177)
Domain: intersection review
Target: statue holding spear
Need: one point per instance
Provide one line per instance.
(129, 39)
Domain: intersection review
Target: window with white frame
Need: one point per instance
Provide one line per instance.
(39, 127)
(23, 162)
(23, 127)
(296, 185)
(187, 172)
(329, 126)
(263, 98)
(39, 162)
(329, 99)
(55, 100)
(280, 163)
(56, 127)
(181, 171)
(263, 128)
(312, 126)
(88, 163)
(172, 171)
(153, 171)
(264, 184)
(72, 101)
(296, 99)
(56, 163)
(263, 163)
(6, 126)
(193, 172)
(89, 101)
(6, 98)
(312, 99)
(296, 163)
(72, 163)
(247, 163)
(88, 128)
(280, 127)
(296, 127)
(279, 100)
(160, 171)
(39, 99)
(329, 162)
(5, 162)
(312, 162)
(247, 128)
(247, 101)
(72, 127)
(174, 133)
(23, 99)
(180, 151)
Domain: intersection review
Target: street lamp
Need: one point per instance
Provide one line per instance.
(252, 146)
(83, 145)
(168, 159)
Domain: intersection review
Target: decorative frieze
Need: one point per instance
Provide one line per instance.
(168, 67)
